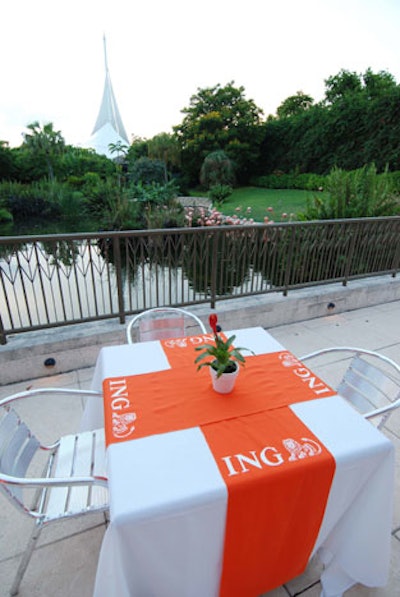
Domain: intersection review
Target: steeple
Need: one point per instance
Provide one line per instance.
(109, 127)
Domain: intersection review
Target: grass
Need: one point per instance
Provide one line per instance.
(253, 202)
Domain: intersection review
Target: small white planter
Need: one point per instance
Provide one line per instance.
(225, 383)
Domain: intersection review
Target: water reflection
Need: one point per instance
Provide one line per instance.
(53, 281)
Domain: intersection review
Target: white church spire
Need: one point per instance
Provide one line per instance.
(109, 127)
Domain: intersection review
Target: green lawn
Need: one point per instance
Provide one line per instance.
(282, 201)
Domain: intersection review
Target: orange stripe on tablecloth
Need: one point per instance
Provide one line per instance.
(179, 398)
(274, 510)
(182, 351)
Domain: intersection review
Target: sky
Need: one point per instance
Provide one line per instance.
(160, 52)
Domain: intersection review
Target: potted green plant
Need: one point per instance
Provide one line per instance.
(222, 357)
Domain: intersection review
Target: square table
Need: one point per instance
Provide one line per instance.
(174, 521)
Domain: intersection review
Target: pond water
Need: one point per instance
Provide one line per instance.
(36, 226)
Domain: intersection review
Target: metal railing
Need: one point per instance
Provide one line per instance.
(54, 280)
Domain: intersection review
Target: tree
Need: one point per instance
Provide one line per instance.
(45, 143)
(360, 124)
(76, 162)
(146, 171)
(217, 168)
(378, 84)
(347, 84)
(165, 147)
(341, 85)
(6, 161)
(295, 104)
(119, 148)
(220, 118)
(138, 149)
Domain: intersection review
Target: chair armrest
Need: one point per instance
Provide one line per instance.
(353, 349)
(43, 391)
(38, 482)
(383, 409)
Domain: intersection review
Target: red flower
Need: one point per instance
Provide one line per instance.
(213, 319)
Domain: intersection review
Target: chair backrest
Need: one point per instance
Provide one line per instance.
(23, 455)
(371, 382)
(18, 447)
(367, 386)
(163, 323)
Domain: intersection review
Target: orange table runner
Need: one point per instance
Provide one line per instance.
(278, 477)
(178, 398)
(181, 351)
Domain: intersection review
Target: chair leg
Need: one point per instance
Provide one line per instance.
(26, 557)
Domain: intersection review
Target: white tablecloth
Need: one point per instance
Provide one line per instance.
(166, 534)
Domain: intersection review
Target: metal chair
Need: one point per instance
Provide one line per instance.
(72, 482)
(163, 322)
(371, 382)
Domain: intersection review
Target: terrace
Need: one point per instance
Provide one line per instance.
(65, 561)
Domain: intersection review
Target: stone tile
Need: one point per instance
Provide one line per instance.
(314, 591)
(59, 569)
(279, 592)
(308, 579)
(14, 388)
(85, 377)
(64, 380)
(15, 529)
(372, 327)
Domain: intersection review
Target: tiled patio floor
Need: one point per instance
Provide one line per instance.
(61, 568)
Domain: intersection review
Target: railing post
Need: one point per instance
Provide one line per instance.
(3, 338)
(214, 270)
(396, 261)
(288, 265)
(349, 256)
(118, 273)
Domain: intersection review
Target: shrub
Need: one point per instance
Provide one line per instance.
(155, 193)
(147, 171)
(29, 201)
(219, 192)
(121, 212)
(5, 216)
(280, 180)
(165, 216)
(217, 169)
(356, 194)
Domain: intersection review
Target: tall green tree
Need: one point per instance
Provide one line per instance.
(358, 123)
(346, 84)
(45, 143)
(341, 85)
(220, 118)
(118, 149)
(295, 104)
(378, 84)
(138, 149)
(165, 147)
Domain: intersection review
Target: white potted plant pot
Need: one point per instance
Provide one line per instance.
(225, 383)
